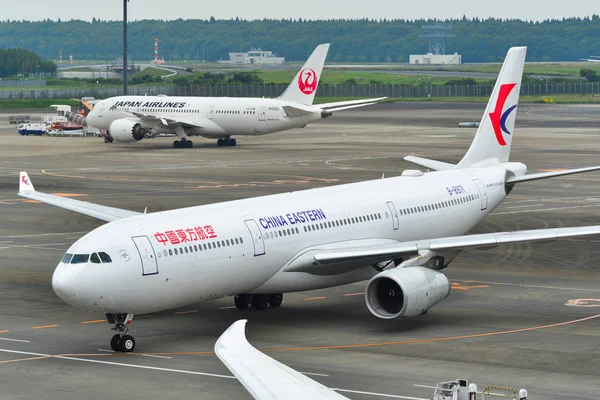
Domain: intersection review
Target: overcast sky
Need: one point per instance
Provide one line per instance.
(306, 9)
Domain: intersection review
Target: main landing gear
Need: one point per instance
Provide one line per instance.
(258, 301)
(226, 142)
(183, 144)
(121, 342)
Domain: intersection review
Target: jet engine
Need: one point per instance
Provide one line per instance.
(405, 292)
(127, 130)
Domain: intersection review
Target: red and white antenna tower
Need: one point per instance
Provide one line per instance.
(156, 59)
(155, 50)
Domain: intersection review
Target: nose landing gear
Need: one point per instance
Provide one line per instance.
(121, 342)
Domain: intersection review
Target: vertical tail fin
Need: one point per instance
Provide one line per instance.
(494, 136)
(304, 86)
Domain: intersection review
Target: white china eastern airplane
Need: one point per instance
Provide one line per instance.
(398, 233)
(129, 118)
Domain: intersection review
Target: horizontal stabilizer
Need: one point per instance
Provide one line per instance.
(98, 211)
(545, 175)
(330, 110)
(297, 111)
(262, 376)
(430, 164)
(327, 106)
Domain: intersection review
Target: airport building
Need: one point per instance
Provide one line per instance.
(431, 58)
(255, 56)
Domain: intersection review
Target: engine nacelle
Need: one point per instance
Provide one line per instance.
(405, 292)
(127, 130)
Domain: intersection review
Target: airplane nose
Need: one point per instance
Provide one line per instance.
(65, 281)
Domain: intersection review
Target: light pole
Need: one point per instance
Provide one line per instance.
(125, 69)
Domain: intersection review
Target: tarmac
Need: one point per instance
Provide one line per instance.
(521, 316)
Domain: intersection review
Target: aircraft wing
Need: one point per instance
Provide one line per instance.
(98, 211)
(262, 376)
(326, 261)
(166, 121)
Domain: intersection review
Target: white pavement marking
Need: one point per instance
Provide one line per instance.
(393, 396)
(34, 245)
(537, 286)
(138, 354)
(15, 340)
(41, 234)
(522, 206)
(180, 371)
(151, 355)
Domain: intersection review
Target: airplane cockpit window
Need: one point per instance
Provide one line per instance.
(80, 258)
(67, 258)
(95, 259)
(104, 257)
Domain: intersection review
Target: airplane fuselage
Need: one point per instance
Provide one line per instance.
(173, 258)
(211, 117)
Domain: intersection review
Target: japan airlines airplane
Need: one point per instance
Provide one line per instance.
(129, 118)
(398, 233)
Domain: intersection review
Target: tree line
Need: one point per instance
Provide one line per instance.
(363, 40)
(22, 61)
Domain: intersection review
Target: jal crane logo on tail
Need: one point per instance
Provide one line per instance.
(499, 116)
(307, 81)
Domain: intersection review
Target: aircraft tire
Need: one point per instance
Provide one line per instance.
(127, 344)
(176, 144)
(242, 301)
(220, 142)
(233, 142)
(260, 301)
(189, 144)
(114, 342)
(275, 300)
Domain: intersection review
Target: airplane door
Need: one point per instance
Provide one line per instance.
(262, 112)
(394, 214)
(257, 239)
(211, 112)
(147, 255)
(101, 110)
(482, 193)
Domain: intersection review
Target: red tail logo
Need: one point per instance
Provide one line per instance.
(497, 117)
(307, 81)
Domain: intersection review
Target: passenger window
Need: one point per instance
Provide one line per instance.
(205, 246)
(170, 252)
(67, 258)
(241, 240)
(195, 248)
(105, 258)
(175, 250)
(80, 258)
(165, 253)
(95, 259)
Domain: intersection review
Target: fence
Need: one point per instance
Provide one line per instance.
(274, 90)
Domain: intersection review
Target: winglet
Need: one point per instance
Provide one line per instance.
(25, 184)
